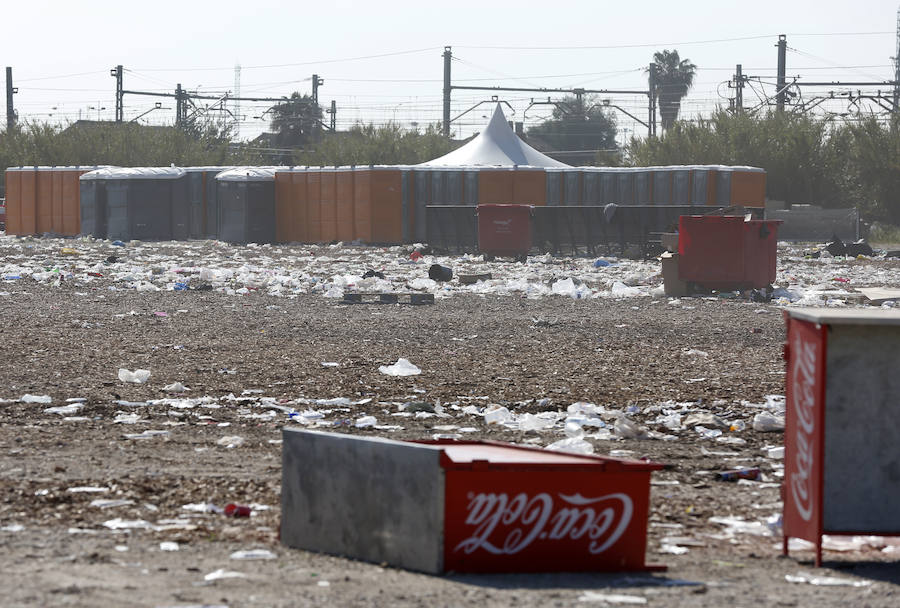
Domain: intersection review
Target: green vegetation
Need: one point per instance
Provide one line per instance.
(576, 125)
(674, 77)
(807, 160)
(389, 144)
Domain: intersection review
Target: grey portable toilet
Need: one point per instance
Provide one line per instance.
(554, 186)
(723, 185)
(681, 185)
(92, 193)
(470, 185)
(246, 201)
(145, 203)
(572, 192)
(642, 186)
(608, 192)
(590, 185)
(201, 197)
(662, 185)
(700, 185)
(422, 194)
(625, 186)
(453, 185)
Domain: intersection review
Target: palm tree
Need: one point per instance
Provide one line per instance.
(674, 77)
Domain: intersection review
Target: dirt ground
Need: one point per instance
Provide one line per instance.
(719, 356)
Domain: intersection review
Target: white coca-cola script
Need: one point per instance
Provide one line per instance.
(803, 373)
(524, 519)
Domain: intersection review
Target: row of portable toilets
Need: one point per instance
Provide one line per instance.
(374, 204)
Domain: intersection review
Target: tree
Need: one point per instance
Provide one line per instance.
(674, 77)
(387, 144)
(295, 121)
(576, 127)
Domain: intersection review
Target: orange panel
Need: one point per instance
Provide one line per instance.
(748, 188)
(344, 205)
(284, 220)
(362, 205)
(329, 208)
(44, 201)
(298, 199)
(387, 206)
(495, 187)
(56, 203)
(71, 203)
(314, 206)
(28, 194)
(530, 187)
(13, 201)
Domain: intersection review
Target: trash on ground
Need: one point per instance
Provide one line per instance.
(401, 368)
(138, 376)
(253, 554)
(826, 581)
(236, 510)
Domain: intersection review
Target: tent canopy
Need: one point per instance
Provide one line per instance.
(496, 146)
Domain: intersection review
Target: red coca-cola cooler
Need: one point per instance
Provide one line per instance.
(452, 506)
(505, 230)
(842, 428)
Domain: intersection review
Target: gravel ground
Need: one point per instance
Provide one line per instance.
(249, 360)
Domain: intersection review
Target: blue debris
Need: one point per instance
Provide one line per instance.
(602, 264)
(118, 244)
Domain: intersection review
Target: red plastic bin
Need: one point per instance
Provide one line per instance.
(504, 230)
(727, 252)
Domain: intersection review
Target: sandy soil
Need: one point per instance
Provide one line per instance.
(718, 356)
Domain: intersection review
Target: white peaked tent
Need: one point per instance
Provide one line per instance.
(496, 146)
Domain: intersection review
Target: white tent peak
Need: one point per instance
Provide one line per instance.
(496, 146)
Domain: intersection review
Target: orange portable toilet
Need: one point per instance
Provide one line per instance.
(748, 186)
(314, 204)
(387, 205)
(344, 203)
(56, 199)
(14, 200)
(284, 212)
(529, 186)
(362, 203)
(298, 200)
(329, 206)
(71, 201)
(27, 200)
(43, 201)
(495, 185)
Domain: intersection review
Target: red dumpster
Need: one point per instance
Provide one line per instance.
(504, 230)
(727, 252)
(441, 506)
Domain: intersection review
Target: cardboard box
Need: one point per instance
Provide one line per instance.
(669, 240)
(673, 285)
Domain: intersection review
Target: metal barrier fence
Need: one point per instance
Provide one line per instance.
(578, 230)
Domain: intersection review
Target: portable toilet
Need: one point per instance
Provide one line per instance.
(555, 178)
(625, 186)
(201, 200)
(681, 185)
(246, 197)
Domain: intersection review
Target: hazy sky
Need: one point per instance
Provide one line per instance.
(382, 60)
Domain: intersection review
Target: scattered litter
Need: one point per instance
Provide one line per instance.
(12, 528)
(401, 368)
(65, 410)
(365, 422)
(35, 399)
(751, 473)
(231, 441)
(826, 581)
(127, 524)
(253, 554)
(765, 422)
(85, 489)
(221, 573)
(330, 364)
(102, 503)
(236, 510)
(138, 376)
(611, 598)
(168, 546)
(175, 387)
(147, 434)
(574, 445)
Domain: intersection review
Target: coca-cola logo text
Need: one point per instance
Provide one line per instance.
(521, 520)
(803, 372)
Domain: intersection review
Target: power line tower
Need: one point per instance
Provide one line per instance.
(897, 67)
(116, 73)
(237, 99)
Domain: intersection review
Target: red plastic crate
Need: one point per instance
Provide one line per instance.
(727, 252)
(504, 230)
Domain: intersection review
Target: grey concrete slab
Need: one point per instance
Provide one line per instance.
(363, 497)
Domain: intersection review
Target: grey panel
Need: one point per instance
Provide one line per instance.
(662, 187)
(438, 191)
(363, 497)
(260, 216)
(681, 187)
(861, 484)
(212, 206)
(405, 178)
(181, 209)
(150, 208)
(195, 201)
(591, 187)
(723, 188)
(625, 188)
(699, 186)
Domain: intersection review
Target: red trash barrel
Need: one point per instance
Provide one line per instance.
(727, 252)
(504, 230)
